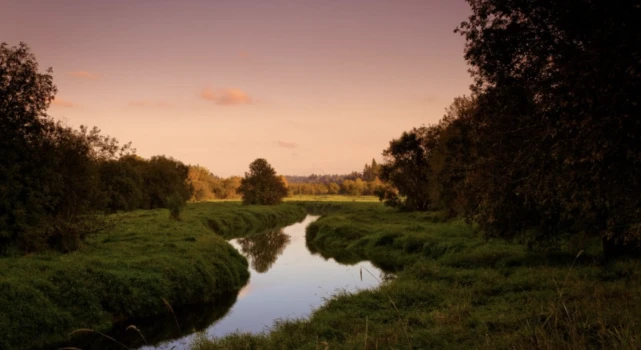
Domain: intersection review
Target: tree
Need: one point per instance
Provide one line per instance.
(25, 95)
(407, 168)
(371, 171)
(358, 187)
(49, 178)
(121, 185)
(558, 118)
(166, 177)
(374, 186)
(452, 158)
(320, 188)
(206, 185)
(261, 185)
(333, 188)
(231, 186)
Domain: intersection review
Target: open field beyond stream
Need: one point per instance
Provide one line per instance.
(452, 289)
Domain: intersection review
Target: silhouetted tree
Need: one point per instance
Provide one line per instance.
(48, 171)
(558, 119)
(261, 185)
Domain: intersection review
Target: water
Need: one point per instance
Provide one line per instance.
(287, 281)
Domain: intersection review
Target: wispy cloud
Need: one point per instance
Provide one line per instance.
(63, 103)
(84, 75)
(226, 96)
(285, 144)
(149, 103)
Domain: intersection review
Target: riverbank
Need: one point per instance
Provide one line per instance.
(129, 270)
(456, 290)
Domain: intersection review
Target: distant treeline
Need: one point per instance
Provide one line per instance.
(356, 187)
(547, 146)
(369, 173)
(366, 182)
(207, 186)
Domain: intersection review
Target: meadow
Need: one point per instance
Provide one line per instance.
(454, 289)
(330, 198)
(144, 263)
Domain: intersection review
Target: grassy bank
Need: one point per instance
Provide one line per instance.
(128, 270)
(456, 290)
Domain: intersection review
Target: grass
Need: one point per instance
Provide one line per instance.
(455, 290)
(316, 198)
(129, 270)
(331, 198)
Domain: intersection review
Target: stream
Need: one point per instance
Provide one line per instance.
(287, 281)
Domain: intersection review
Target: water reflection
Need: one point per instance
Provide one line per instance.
(287, 281)
(344, 257)
(296, 283)
(262, 250)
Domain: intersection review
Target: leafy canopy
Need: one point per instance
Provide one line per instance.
(261, 185)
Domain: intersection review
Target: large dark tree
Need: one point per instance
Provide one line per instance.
(558, 86)
(48, 178)
(49, 173)
(261, 185)
(25, 95)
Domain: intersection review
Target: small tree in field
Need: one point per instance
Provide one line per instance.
(261, 185)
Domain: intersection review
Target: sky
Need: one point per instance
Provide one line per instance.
(318, 86)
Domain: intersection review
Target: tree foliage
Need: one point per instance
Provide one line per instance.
(558, 116)
(371, 171)
(46, 169)
(548, 143)
(55, 180)
(261, 185)
(407, 167)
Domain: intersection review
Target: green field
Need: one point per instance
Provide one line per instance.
(331, 198)
(452, 288)
(317, 198)
(128, 270)
(455, 290)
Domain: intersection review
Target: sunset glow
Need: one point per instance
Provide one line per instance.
(312, 86)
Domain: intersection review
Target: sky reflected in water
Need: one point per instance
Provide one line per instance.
(286, 281)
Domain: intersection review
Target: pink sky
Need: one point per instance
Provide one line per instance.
(312, 86)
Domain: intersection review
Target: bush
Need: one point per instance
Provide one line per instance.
(175, 204)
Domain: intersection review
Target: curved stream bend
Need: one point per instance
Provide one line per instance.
(287, 281)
